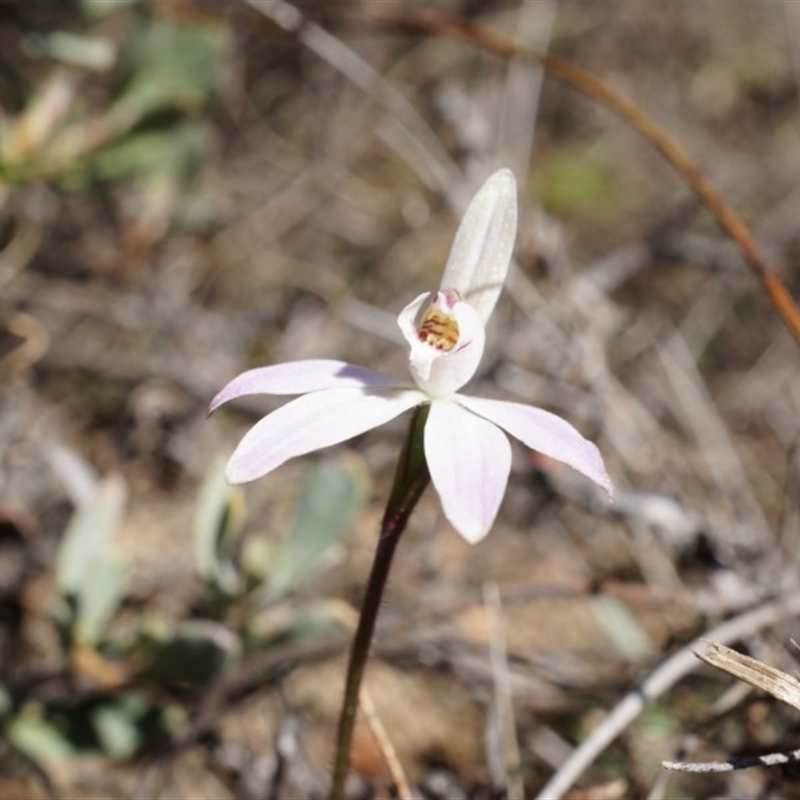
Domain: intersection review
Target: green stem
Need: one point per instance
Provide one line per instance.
(410, 481)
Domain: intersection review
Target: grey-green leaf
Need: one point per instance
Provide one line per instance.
(214, 528)
(88, 533)
(329, 500)
(100, 596)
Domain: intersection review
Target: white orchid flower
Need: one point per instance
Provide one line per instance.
(466, 449)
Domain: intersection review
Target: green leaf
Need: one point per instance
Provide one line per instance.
(38, 737)
(117, 725)
(175, 150)
(193, 653)
(77, 49)
(330, 498)
(173, 66)
(100, 596)
(117, 732)
(88, 533)
(217, 519)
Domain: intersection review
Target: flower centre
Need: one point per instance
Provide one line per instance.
(439, 328)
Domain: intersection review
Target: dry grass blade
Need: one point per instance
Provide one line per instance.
(517, 122)
(504, 708)
(422, 141)
(752, 530)
(381, 736)
(779, 684)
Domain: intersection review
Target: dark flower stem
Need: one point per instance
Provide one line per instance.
(410, 481)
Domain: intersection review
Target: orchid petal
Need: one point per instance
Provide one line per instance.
(299, 377)
(440, 373)
(313, 421)
(546, 433)
(481, 251)
(408, 317)
(469, 460)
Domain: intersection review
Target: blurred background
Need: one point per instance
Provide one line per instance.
(189, 189)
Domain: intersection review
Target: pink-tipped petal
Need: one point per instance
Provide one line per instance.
(546, 433)
(299, 377)
(313, 421)
(481, 251)
(469, 460)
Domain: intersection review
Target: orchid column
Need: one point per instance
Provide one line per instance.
(458, 442)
